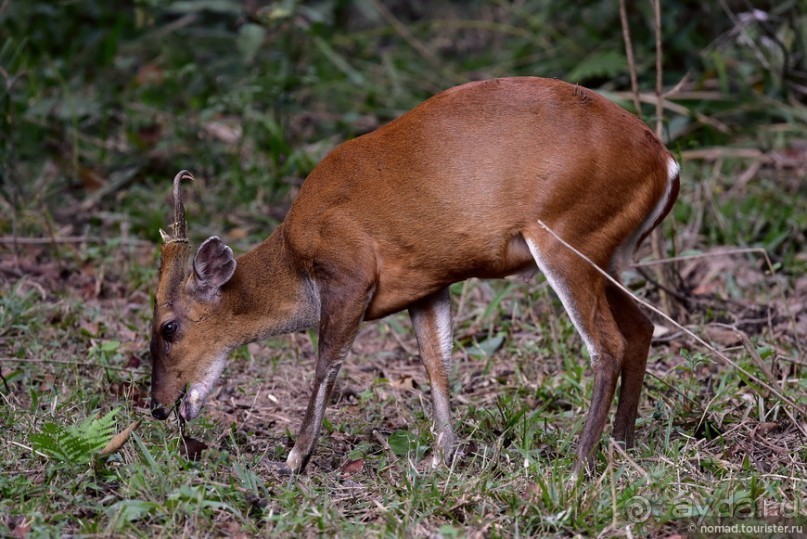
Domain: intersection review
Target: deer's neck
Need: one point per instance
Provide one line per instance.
(268, 295)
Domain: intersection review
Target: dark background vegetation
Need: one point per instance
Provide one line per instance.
(103, 100)
(101, 103)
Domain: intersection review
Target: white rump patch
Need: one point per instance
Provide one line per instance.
(625, 251)
(673, 169)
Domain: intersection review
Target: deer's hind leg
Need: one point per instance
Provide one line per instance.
(582, 291)
(637, 331)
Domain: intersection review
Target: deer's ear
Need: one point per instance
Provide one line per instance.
(213, 266)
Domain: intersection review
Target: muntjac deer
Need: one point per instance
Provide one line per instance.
(461, 186)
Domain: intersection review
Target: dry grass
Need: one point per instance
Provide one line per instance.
(711, 442)
(90, 123)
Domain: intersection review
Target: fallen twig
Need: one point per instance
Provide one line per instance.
(727, 252)
(674, 107)
(18, 240)
(31, 449)
(385, 444)
(699, 340)
(714, 154)
(64, 362)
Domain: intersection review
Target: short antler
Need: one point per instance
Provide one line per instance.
(179, 227)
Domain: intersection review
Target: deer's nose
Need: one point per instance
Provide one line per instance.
(159, 411)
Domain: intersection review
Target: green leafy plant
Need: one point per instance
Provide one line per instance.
(76, 444)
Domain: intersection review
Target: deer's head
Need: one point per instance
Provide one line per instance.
(189, 344)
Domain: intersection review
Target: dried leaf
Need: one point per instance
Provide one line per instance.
(21, 531)
(353, 467)
(90, 328)
(191, 448)
(119, 439)
(763, 429)
(226, 132)
(533, 491)
(237, 233)
(47, 383)
(133, 362)
(90, 178)
(734, 449)
(724, 336)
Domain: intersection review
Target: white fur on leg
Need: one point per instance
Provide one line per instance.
(562, 290)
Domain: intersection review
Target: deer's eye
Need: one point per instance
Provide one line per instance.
(169, 330)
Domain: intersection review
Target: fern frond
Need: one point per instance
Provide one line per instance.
(95, 433)
(76, 444)
(47, 442)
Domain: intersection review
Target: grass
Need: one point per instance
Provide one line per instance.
(518, 412)
(95, 126)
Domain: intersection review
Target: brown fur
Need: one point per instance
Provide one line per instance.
(453, 189)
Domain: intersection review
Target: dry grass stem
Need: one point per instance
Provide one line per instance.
(695, 337)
